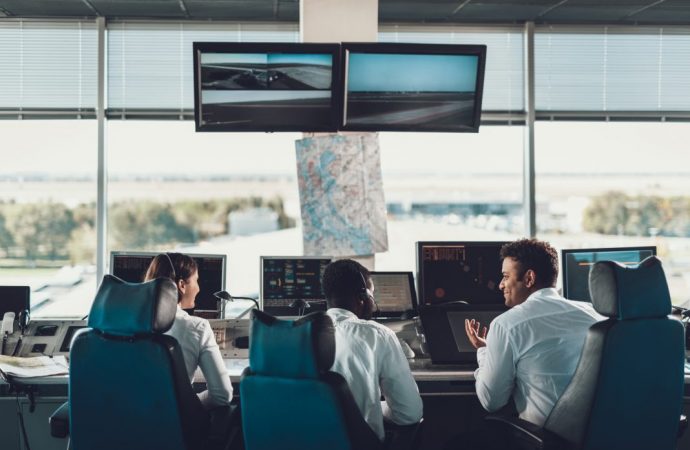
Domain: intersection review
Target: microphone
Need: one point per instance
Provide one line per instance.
(225, 297)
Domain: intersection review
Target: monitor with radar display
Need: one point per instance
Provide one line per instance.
(291, 285)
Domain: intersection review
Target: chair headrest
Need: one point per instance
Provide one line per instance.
(303, 348)
(630, 292)
(126, 309)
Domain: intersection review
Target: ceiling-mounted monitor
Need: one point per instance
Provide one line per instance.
(412, 87)
(266, 86)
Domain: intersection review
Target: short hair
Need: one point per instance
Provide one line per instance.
(536, 255)
(182, 267)
(342, 282)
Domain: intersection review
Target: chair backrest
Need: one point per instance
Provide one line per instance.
(128, 385)
(627, 390)
(289, 399)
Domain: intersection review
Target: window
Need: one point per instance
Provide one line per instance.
(608, 184)
(47, 213)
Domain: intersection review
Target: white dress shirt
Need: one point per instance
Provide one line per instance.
(532, 351)
(200, 349)
(368, 355)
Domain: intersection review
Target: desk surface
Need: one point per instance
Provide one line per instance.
(421, 370)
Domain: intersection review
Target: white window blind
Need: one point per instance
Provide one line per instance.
(48, 65)
(612, 69)
(150, 64)
(503, 80)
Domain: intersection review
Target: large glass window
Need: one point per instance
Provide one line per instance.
(47, 213)
(444, 186)
(611, 184)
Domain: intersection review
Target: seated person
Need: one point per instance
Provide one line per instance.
(194, 334)
(531, 351)
(367, 354)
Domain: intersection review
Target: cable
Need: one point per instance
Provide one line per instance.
(20, 415)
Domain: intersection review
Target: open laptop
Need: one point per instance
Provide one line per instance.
(395, 295)
(444, 330)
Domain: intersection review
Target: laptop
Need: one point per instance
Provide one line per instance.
(395, 295)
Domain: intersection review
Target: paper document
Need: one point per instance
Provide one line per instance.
(38, 366)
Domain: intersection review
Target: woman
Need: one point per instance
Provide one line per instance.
(194, 334)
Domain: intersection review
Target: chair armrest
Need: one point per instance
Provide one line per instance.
(682, 425)
(526, 435)
(59, 421)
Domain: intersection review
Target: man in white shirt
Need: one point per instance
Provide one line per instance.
(530, 351)
(367, 354)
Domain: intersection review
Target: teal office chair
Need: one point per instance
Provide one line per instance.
(289, 399)
(128, 387)
(627, 390)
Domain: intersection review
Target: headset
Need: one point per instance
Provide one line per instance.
(365, 294)
(172, 266)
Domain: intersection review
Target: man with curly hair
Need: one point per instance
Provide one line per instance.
(530, 351)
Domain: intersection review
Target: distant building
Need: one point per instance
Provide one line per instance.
(252, 221)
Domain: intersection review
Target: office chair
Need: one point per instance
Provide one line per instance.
(128, 386)
(290, 400)
(627, 390)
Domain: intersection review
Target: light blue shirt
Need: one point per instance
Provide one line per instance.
(368, 355)
(531, 353)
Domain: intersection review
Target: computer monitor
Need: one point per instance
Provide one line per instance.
(132, 266)
(287, 282)
(577, 262)
(444, 330)
(462, 272)
(14, 299)
(266, 86)
(394, 294)
(412, 87)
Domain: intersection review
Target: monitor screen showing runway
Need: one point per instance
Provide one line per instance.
(262, 90)
(424, 92)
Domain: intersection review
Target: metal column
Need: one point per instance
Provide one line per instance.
(102, 195)
(528, 185)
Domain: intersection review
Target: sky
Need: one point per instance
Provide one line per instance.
(375, 72)
(173, 147)
(265, 58)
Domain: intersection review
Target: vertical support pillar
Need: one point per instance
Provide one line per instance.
(102, 175)
(528, 184)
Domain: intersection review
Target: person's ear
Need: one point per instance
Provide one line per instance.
(181, 286)
(530, 278)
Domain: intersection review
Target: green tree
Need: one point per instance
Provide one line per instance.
(146, 225)
(41, 229)
(6, 239)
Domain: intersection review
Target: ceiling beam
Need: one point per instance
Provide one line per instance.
(644, 8)
(551, 8)
(183, 7)
(91, 7)
(460, 6)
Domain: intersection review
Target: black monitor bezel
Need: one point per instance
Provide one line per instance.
(412, 48)
(223, 257)
(269, 47)
(420, 275)
(566, 251)
(25, 292)
(413, 293)
(294, 258)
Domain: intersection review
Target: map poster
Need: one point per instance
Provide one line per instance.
(341, 195)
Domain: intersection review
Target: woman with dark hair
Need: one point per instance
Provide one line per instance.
(194, 334)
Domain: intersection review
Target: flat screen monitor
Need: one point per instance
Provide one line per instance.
(462, 272)
(266, 86)
(394, 294)
(412, 87)
(132, 266)
(14, 299)
(444, 330)
(287, 282)
(577, 262)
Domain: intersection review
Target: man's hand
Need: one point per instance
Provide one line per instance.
(477, 338)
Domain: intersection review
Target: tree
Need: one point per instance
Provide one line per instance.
(41, 229)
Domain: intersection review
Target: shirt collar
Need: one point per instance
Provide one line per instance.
(544, 292)
(341, 314)
(180, 311)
